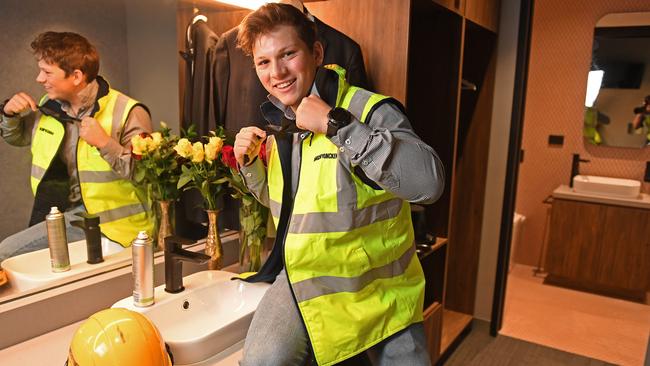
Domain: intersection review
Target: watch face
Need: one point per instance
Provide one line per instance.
(340, 115)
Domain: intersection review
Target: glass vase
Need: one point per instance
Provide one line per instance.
(252, 232)
(163, 228)
(213, 241)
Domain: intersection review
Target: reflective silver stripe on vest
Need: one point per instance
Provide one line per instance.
(325, 285)
(119, 213)
(358, 102)
(118, 111)
(38, 172)
(347, 220)
(275, 208)
(97, 176)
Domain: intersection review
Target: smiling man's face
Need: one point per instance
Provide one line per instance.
(285, 64)
(56, 84)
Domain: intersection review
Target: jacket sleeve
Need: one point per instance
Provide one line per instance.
(118, 153)
(17, 131)
(390, 153)
(254, 175)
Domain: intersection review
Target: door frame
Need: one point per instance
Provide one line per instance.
(515, 156)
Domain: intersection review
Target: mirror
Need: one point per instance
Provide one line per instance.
(619, 81)
(138, 56)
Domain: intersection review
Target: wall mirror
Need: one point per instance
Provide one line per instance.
(138, 55)
(619, 81)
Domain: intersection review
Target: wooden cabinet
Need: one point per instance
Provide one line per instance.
(433, 329)
(599, 248)
(483, 12)
(451, 67)
(457, 6)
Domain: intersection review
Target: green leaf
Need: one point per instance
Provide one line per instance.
(139, 175)
(182, 181)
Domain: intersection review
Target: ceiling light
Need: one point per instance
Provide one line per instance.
(249, 4)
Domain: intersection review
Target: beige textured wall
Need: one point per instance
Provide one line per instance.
(559, 62)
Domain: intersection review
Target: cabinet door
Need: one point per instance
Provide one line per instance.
(483, 12)
(574, 240)
(624, 258)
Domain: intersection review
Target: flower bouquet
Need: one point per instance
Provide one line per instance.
(204, 171)
(157, 170)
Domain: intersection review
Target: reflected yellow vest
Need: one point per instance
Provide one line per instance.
(116, 201)
(349, 252)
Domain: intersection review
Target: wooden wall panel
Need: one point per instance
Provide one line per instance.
(382, 33)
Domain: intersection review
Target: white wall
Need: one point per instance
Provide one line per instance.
(498, 156)
(153, 58)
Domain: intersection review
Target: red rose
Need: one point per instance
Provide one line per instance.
(262, 153)
(228, 157)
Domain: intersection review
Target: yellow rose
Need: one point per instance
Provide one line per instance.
(156, 140)
(210, 152)
(217, 142)
(184, 148)
(197, 152)
(138, 145)
(212, 148)
(148, 144)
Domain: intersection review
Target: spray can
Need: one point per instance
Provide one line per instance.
(142, 254)
(57, 241)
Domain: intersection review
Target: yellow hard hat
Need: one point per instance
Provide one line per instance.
(118, 337)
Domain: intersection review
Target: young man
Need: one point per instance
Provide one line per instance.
(89, 154)
(341, 172)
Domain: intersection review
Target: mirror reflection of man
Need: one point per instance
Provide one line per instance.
(80, 136)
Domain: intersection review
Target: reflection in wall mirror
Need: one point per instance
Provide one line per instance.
(617, 110)
(136, 42)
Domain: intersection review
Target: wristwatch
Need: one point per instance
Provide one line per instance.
(337, 118)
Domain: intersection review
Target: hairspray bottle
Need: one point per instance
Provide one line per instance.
(57, 241)
(142, 254)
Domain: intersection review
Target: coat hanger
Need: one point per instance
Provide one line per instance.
(197, 17)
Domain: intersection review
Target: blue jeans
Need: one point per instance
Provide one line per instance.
(35, 237)
(277, 337)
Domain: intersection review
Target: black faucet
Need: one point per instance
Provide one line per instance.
(174, 257)
(90, 225)
(575, 167)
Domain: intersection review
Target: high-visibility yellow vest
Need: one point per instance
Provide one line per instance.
(121, 207)
(349, 251)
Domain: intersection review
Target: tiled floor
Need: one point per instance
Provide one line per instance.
(595, 326)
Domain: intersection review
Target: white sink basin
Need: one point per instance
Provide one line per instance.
(31, 270)
(607, 186)
(212, 314)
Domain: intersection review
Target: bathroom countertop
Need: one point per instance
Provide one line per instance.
(566, 192)
(52, 349)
